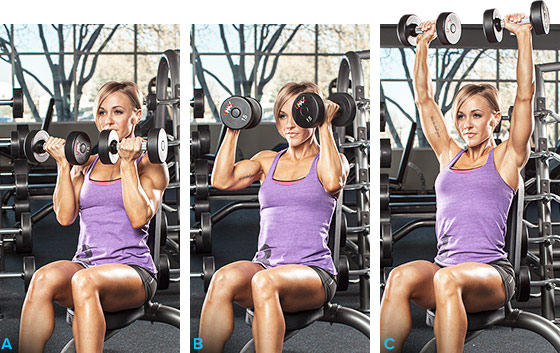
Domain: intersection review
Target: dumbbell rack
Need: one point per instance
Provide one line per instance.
(350, 70)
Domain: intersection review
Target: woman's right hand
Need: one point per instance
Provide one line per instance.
(428, 33)
(55, 147)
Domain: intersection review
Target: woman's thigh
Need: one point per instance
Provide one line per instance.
(480, 284)
(415, 280)
(235, 280)
(119, 286)
(299, 287)
(56, 278)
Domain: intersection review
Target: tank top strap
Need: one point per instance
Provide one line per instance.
(313, 170)
(490, 160)
(454, 160)
(274, 164)
(90, 168)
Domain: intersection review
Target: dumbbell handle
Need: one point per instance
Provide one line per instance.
(9, 231)
(197, 275)
(30, 186)
(6, 275)
(524, 21)
(169, 101)
(7, 101)
(364, 271)
(114, 146)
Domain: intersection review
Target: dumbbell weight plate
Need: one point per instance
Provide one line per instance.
(77, 148)
(196, 148)
(257, 112)
(201, 187)
(491, 24)
(343, 230)
(24, 240)
(523, 285)
(163, 229)
(151, 102)
(343, 274)
(405, 30)
(448, 27)
(540, 18)
(385, 149)
(22, 186)
(200, 207)
(20, 207)
(203, 241)
(204, 136)
(198, 103)
(17, 105)
(386, 245)
(236, 113)
(28, 270)
(383, 116)
(347, 111)
(308, 110)
(163, 272)
(201, 167)
(208, 269)
(15, 150)
(22, 130)
(106, 153)
(157, 146)
(30, 149)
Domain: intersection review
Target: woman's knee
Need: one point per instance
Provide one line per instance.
(446, 282)
(45, 282)
(84, 285)
(401, 281)
(224, 283)
(264, 286)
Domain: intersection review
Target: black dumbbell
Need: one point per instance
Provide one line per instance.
(156, 145)
(26, 275)
(240, 112)
(208, 270)
(15, 141)
(22, 236)
(309, 109)
(197, 103)
(493, 23)
(201, 238)
(200, 141)
(77, 147)
(16, 103)
(386, 242)
(383, 116)
(448, 29)
(385, 149)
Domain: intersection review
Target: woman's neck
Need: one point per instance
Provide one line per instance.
(304, 150)
(475, 152)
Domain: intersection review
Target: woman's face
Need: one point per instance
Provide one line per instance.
(475, 120)
(292, 132)
(117, 113)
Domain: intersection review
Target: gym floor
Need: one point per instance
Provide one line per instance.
(235, 238)
(498, 339)
(53, 242)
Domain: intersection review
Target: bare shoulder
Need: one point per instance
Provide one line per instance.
(265, 158)
(500, 151)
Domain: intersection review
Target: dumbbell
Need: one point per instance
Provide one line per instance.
(385, 149)
(197, 103)
(26, 275)
(201, 238)
(15, 141)
(208, 269)
(239, 112)
(200, 141)
(383, 115)
(16, 103)
(386, 242)
(448, 29)
(309, 109)
(22, 236)
(493, 24)
(77, 147)
(156, 145)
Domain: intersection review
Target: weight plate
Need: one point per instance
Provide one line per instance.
(195, 145)
(257, 112)
(200, 207)
(208, 269)
(448, 28)
(492, 26)
(203, 240)
(383, 116)
(385, 149)
(22, 131)
(163, 229)
(343, 229)
(77, 148)
(386, 245)
(24, 239)
(28, 270)
(523, 285)
(524, 241)
(157, 146)
(236, 113)
(151, 102)
(204, 135)
(201, 191)
(15, 151)
(347, 111)
(33, 146)
(343, 274)
(163, 272)
(107, 146)
(17, 103)
(308, 110)
(198, 103)
(406, 30)
(21, 206)
(201, 167)
(21, 181)
(540, 18)
(384, 192)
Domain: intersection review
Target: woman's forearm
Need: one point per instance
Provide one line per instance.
(138, 206)
(525, 68)
(64, 202)
(330, 163)
(422, 80)
(224, 164)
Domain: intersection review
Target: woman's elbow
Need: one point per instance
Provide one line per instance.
(334, 186)
(138, 222)
(64, 220)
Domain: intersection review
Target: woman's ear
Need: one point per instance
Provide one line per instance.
(137, 116)
(497, 118)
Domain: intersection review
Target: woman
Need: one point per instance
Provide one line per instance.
(112, 269)
(293, 269)
(474, 190)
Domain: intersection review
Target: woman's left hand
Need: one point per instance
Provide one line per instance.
(130, 149)
(330, 111)
(511, 23)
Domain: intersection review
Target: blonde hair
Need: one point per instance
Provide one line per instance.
(290, 90)
(488, 92)
(129, 88)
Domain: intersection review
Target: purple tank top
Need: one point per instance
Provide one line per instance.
(295, 220)
(472, 210)
(106, 235)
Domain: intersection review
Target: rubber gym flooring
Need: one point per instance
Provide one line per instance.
(235, 238)
(496, 340)
(53, 242)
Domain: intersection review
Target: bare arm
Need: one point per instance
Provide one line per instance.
(521, 128)
(332, 166)
(228, 175)
(433, 123)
